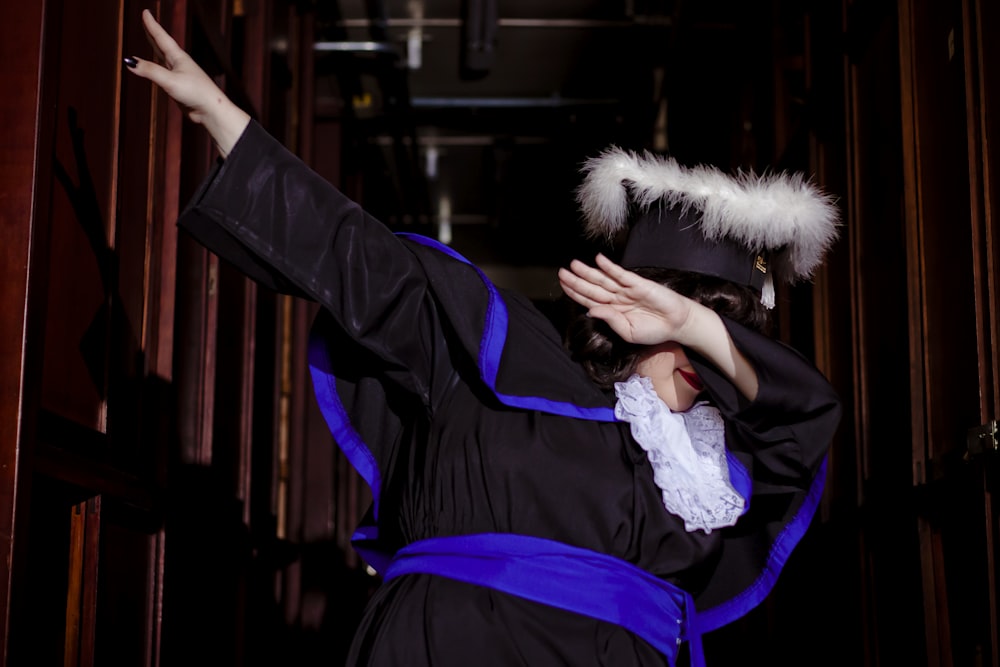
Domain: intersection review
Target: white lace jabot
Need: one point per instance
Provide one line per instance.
(687, 451)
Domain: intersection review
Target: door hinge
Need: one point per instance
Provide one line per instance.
(982, 440)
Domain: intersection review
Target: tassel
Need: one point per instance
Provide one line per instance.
(767, 292)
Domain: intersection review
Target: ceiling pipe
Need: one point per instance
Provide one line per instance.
(479, 37)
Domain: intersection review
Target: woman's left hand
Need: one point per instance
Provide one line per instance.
(188, 84)
(639, 310)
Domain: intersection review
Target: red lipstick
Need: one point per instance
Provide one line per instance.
(692, 379)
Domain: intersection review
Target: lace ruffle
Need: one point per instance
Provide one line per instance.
(687, 451)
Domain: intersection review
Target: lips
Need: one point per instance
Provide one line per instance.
(692, 379)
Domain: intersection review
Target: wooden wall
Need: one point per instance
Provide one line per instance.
(149, 391)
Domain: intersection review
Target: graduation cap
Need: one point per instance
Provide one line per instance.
(751, 230)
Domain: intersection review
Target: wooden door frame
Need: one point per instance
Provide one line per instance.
(929, 473)
(986, 239)
(21, 73)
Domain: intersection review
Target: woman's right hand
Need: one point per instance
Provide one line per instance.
(188, 84)
(647, 313)
(639, 310)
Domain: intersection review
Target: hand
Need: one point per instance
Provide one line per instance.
(639, 310)
(188, 84)
(645, 312)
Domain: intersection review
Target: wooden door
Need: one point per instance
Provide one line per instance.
(87, 562)
(115, 488)
(949, 88)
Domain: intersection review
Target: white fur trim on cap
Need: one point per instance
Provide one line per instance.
(781, 213)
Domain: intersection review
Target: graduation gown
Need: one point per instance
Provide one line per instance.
(457, 402)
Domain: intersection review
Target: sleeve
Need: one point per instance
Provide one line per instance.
(784, 433)
(780, 440)
(285, 226)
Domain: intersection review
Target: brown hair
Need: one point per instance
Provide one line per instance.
(608, 359)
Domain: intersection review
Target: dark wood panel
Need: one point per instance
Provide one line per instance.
(91, 518)
(233, 400)
(883, 405)
(254, 67)
(833, 297)
(978, 120)
(21, 61)
(940, 84)
(943, 262)
(84, 267)
(987, 15)
(982, 64)
(126, 622)
(194, 319)
(136, 249)
(93, 573)
(37, 633)
(83, 465)
(987, 60)
(209, 573)
(167, 131)
(74, 587)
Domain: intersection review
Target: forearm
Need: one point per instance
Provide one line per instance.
(705, 333)
(284, 216)
(792, 418)
(225, 123)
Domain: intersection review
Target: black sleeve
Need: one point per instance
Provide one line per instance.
(784, 433)
(285, 226)
(781, 438)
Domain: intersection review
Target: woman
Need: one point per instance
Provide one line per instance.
(521, 514)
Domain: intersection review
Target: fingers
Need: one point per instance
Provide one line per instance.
(568, 287)
(161, 40)
(147, 20)
(598, 310)
(150, 70)
(576, 296)
(608, 274)
(614, 319)
(569, 284)
(164, 46)
(594, 276)
(619, 274)
(584, 287)
(608, 284)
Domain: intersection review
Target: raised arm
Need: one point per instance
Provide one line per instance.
(267, 213)
(187, 84)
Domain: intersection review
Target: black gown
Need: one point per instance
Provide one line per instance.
(460, 406)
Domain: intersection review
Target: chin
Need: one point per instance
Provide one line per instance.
(682, 400)
(684, 395)
(684, 405)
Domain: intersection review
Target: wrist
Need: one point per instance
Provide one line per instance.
(700, 321)
(226, 124)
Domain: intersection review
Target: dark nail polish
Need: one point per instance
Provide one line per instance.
(130, 61)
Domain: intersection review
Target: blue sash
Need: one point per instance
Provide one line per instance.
(577, 580)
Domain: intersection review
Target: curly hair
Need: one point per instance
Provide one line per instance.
(608, 359)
